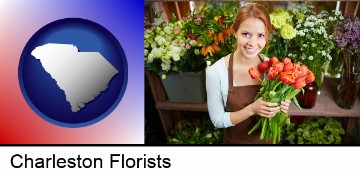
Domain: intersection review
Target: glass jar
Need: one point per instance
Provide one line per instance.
(308, 99)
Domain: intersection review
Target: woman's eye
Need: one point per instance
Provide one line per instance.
(261, 36)
(246, 35)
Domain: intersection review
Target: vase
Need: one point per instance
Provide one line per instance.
(348, 88)
(187, 87)
(308, 99)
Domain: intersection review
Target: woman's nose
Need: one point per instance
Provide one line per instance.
(251, 41)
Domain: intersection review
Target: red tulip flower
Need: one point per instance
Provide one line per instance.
(254, 73)
(310, 77)
(279, 66)
(273, 60)
(303, 69)
(264, 66)
(288, 67)
(299, 83)
(272, 74)
(286, 60)
(287, 77)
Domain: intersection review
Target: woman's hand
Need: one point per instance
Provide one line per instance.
(266, 109)
(285, 105)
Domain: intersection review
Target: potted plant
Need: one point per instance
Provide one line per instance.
(315, 130)
(195, 131)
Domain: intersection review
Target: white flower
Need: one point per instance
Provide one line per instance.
(168, 30)
(165, 65)
(323, 53)
(329, 57)
(196, 51)
(311, 57)
(160, 40)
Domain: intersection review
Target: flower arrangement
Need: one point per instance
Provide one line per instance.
(211, 29)
(284, 81)
(346, 34)
(186, 45)
(313, 43)
(284, 32)
(347, 37)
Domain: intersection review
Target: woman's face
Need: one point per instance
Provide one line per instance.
(251, 37)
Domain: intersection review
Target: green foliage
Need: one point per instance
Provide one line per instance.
(196, 131)
(315, 130)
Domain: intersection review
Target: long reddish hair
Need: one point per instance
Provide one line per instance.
(255, 11)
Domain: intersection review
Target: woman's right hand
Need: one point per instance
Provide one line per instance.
(264, 109)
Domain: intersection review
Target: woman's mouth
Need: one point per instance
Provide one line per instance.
(250, 50)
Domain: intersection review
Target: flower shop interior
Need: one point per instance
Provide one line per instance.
(183, 38)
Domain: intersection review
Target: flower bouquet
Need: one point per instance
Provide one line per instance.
(283, 82)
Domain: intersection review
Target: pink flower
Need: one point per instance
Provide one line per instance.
(197, 21)
(176, 31)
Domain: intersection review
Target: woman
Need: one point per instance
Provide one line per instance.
(230, 89)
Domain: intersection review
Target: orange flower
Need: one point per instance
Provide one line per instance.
(288, 67)
(273, 60)
(210, 49)
(299, 83)
(229, 31)
(297, 72)
(296, 65)
(264, 66)
(272, 74)
(310, 77)
(221, 37)
(303, 69)
(254, 73)
(279, 66)
(287, 77)
(286, 60)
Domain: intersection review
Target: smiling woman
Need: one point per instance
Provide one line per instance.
(230, 90)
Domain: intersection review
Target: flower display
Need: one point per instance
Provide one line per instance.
(284, 81)
(211, 28)
(164, 45)
(185, 45)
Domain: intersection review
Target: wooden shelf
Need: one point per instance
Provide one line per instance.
(325, 104)
(182, 106)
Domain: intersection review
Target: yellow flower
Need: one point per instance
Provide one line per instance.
(279, 17)
(299, 16)
(287, 31)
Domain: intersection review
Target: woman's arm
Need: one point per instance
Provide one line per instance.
(216, 106)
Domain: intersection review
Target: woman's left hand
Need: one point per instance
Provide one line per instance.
(285, 106)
